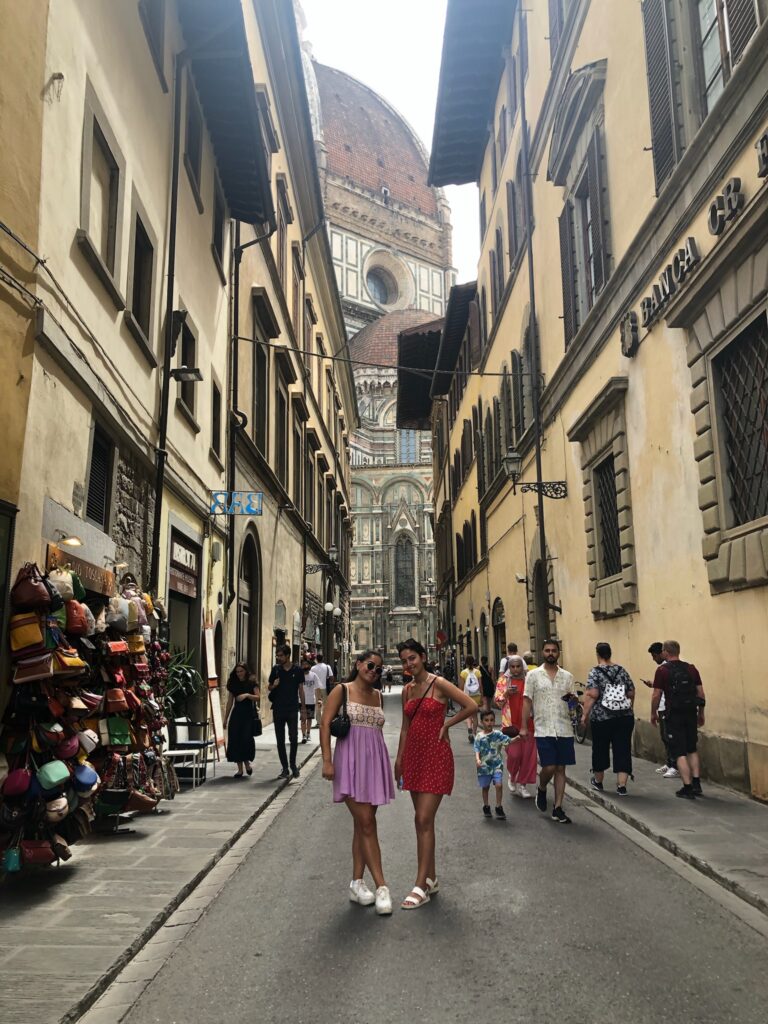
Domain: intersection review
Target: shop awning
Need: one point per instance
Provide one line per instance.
(456, 319)
(417, 349)
(476, 32)
(217, 48)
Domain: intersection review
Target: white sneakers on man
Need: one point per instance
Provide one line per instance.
(671, 773)
(383, 900)
(360, 893)
(524, 792)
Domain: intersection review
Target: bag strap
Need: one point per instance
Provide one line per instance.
(425, 694)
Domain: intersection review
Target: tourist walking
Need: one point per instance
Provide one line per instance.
(521, 755)
(324, 673)
(608, 703)
(511, 652)
(311, 688)
(547, 691)
(239, 716)
(424, 762)
(361, 773)
(470, 678)
(388, 680)
(489, 743)
(286, 691)
(680, 684)
(667, 770)
(487, 684)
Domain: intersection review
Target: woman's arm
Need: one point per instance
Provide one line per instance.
(405, 724)
(451, 692)
(591, 696)
(228, 710)
(332, 705)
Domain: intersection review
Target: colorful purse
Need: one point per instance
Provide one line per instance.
(136, 643)
(26, 635)
(62, 580)
(29, 670)
(68, 663)
(36, 851)
(77, 622)
(115, 702)
(53, 775)
(29, 591)
(113, 648)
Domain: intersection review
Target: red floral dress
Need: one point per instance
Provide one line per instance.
(427, 760)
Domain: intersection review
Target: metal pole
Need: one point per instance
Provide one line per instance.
(533, 326)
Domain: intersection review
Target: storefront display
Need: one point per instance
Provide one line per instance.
(83, 729)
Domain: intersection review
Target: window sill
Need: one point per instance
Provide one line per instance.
(186, 413)
(194, 184)
(140, 337)
(216, 459)
(219, 266)
(99, 267)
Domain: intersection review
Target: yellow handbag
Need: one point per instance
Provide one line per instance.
(67, 663)
(136, 643)
(25, 633)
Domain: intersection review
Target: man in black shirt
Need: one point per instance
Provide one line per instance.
(286, 691)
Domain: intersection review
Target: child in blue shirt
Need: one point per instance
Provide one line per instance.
(488, 744)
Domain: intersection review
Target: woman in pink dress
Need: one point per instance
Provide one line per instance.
(424, 763)
(521, 755)
(361, 773)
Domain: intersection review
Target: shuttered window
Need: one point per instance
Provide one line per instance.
(482, 218)
(512, 227)
(742, 25)
(568, 270)
(660, 64)
(496, 436)
(518, 398)
(555, 26)
(506, 402)
(99, 479)
(725, 28)
(597, 231)
(494, 284)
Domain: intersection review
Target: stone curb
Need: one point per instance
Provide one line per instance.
(671, 846)
(111, 1013)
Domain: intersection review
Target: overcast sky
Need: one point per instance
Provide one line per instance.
(394, 47)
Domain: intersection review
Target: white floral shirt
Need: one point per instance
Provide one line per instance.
(550, 711)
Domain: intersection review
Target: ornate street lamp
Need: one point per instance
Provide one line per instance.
(512, 461)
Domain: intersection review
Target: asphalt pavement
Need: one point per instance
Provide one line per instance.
(535, 922)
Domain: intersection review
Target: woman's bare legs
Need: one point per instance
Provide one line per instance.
(365, 843)
(425, 806)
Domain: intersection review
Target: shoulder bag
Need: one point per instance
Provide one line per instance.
(340, 723)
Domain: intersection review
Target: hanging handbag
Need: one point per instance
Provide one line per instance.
(258, 727)
(119, 732)
(53, 775)
(88, 740)
(29, 591)
(29, 670)
(11, 860)
(77, 621)
(57, 809)
(114, 648)
(25, 635)
(62, 580)
(340, 723)
(136, 643)
(68, 663)
(117, 614)
(36, 852)
(115, 702)
(16, 783)
(50, 734)
(77, 587)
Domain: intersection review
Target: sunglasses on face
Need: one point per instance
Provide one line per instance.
(373, 667)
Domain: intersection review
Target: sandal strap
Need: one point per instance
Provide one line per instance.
(422, 897)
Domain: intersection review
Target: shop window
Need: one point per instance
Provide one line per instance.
(193, 143)
(152, 14)
(607, 517)
(99, 494)
(281, 435)
(219, 228)
(216, 419)
(142, 271)
(741, 373)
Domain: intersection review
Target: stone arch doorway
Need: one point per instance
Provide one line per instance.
(498, 620)
(249, 604)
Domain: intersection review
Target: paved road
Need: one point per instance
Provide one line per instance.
(536, 922)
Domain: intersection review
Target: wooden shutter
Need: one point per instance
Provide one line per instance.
(97, 503)
(500, 261)
(482, 218)
(498, 452)
(512, 223)
(599, 211)
(568, 272)
(742, 25)
(475, 334)
(494, 284)
(555, 26)
(518, 397)
(506, 398)
(665, 140)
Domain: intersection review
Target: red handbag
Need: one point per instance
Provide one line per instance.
(132, 700)
(36, 851)
(29, 591)
(115, 647)
(115, 702)
(77, 623)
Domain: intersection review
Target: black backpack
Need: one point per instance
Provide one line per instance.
(681, 695)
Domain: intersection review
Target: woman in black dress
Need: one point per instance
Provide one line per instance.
(238, 717)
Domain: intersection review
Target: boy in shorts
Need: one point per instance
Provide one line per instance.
(489, 742)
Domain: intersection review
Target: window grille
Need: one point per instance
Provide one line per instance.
(742, 373)
(607, 518)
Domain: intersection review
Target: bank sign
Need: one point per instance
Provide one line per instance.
(236, 503)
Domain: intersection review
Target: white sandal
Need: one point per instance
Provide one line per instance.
(416, 898)
(433, 886)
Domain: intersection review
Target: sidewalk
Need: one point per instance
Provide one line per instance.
(724, 834)
(66, 931)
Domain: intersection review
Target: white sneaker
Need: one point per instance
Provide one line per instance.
(512, 787)
(383, 900)
(360, 893)
(525, 793)
(660, 771)
(671, 773)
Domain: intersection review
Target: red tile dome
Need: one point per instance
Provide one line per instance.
(377, 341)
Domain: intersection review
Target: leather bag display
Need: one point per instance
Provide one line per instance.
(29, 592)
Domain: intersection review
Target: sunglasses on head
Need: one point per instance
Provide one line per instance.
(373, 667)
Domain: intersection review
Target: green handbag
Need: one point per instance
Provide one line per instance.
(119, 731)
(53, 775)
(77, 588)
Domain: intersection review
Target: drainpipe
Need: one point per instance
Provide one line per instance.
(534, 329)
(161, 454)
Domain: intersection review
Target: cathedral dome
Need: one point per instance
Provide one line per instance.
(377, 342)
(368, 142)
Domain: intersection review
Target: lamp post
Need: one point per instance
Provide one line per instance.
(512, 462)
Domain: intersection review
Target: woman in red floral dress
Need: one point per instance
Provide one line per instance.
(424, 762)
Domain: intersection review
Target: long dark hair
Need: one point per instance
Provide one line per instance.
(412, 645)
(234, 681)
(370, 653)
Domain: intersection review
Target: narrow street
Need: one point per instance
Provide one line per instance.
(534, 921)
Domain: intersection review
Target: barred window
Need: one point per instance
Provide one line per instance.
(741, 372)
(607, 518)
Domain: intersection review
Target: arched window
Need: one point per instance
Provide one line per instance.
(405, 582)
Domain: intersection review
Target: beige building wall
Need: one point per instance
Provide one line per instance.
(672, 492)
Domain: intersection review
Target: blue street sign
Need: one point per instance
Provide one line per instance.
(236, 503)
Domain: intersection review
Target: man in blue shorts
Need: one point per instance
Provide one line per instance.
(546, 691)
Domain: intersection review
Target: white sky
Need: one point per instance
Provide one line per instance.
(394, 47)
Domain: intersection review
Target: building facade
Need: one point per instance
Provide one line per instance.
(390, 239)
(637, 370)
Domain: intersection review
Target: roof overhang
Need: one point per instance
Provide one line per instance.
(476, 33)
(456, 320)
(417, 349)
(217, 54)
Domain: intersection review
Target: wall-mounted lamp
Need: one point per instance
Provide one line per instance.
(337, 613)
(512, 461)
(186, 375)
(328, 606)
(68, 539)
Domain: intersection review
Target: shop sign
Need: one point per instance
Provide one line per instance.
(236, 503)
(183, 557)
(184, 567)
(672, 277)
(182, 582)
(93, 577)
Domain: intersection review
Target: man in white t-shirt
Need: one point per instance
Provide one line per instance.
(511, 650)
(312, 686)
(324, 673)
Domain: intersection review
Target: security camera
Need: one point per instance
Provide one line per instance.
(521, 579)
